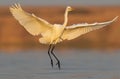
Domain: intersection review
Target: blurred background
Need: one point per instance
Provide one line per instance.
(82, 58)
(14, 37)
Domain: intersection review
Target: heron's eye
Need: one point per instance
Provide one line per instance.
(69, 9)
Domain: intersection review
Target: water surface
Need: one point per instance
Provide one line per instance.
(75, 64)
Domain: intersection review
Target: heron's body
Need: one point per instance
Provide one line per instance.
(53, 34)
(52, 37)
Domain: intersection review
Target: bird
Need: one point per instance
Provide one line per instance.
(52, 34)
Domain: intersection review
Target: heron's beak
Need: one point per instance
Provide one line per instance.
(71, 9)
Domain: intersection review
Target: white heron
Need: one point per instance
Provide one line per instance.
(53, 34)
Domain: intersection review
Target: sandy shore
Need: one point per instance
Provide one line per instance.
(13, 36)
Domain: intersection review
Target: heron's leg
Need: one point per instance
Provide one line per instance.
(58, 62)
(61, 38)
(50, 55)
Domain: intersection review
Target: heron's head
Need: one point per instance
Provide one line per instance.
(69, 8)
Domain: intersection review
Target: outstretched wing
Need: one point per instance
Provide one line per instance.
(74, 31)
(30, 22)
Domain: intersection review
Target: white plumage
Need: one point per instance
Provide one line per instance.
(52, 34)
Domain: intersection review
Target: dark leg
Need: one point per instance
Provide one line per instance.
(58, 62)
(50, 55)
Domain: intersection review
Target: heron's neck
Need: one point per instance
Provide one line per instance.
(65, 18)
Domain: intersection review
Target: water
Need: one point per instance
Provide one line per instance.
(75, 64)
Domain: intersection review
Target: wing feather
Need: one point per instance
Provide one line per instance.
(74, 31)
(30, 22)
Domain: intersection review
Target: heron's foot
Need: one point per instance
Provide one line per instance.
(58, 63)
(52, 63)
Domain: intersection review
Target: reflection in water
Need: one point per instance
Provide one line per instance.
(76, 64)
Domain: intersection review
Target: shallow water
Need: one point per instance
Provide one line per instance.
(75, 64)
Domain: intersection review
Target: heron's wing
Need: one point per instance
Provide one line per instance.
(30, 22)
(74, 31)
